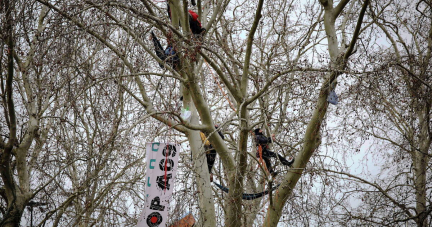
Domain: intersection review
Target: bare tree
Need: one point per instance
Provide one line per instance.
(397, 115)
(63, 125)
(29, 96)
(260, 64)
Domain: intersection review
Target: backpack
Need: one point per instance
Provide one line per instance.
(194, 16)
(204, 139)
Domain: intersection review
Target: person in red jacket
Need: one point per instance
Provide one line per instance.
(194, 23)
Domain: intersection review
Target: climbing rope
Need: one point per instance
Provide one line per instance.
(261, 160)
(246, 196)
(220, 87)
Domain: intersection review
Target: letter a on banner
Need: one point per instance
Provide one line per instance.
(162, 161)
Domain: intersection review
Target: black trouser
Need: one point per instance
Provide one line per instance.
(211, 157)
(267, 154)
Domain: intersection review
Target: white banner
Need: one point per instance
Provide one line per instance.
(162, 161)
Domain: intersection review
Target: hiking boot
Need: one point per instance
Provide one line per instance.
(286, 162)
(290, 162)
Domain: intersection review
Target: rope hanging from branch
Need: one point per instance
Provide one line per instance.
(249, 196)
(220, 87)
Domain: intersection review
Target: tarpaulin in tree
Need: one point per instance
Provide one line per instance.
(332, 98)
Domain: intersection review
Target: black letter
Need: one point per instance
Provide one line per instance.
(155, 204)
(161, 181)
(169, 163)
(171, 150)
(154, 219)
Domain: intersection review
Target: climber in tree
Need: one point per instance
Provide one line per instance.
(262, 143)
(194, 23)
(168, 55)
(210, 151)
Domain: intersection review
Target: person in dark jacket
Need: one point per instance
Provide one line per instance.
(168, 55)
(210, 151)
(263, 142)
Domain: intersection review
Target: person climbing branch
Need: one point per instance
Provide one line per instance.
(194, 23)
(210, 151)
(262, 143)
(168, 55)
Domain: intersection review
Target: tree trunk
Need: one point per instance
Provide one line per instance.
(421, 160)
(13, 218)
(202, 176)
(14, 198)
(311, 140)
